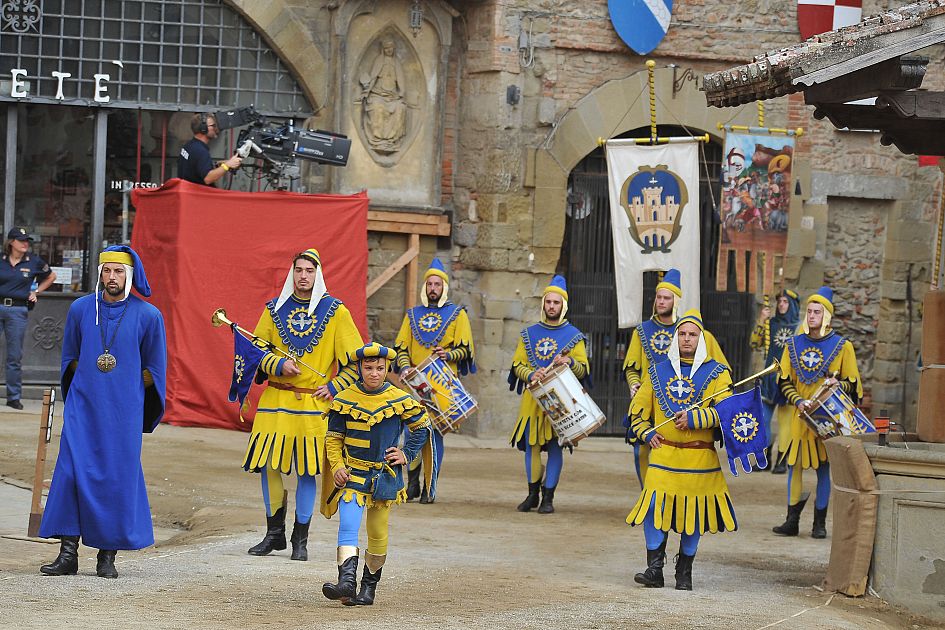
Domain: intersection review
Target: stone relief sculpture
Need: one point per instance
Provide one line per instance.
(384, 102)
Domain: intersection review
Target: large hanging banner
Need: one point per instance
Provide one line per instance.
(654, 210)
(205, 248)
(756, 197)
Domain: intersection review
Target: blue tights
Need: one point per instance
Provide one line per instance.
(349, 515)
(552, 470)
(304, 493)
(795, 485)
(688, 543)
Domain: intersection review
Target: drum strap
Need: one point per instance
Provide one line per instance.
(694, 444)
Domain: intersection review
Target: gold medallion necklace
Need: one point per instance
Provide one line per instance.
(106, 361)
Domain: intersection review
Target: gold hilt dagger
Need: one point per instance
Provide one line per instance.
(771, 368)
(219, 318)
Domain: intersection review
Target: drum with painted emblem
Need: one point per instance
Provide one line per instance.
(573, 413)
(833, 414)
(447, 402)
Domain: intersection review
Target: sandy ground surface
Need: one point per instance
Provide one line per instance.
(467, 561)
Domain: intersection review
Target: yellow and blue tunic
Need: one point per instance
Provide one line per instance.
(362, 425)
(650, 343)
(424, 328)
(291, 422)
(805, 364)
(537, 348)
(684, 485)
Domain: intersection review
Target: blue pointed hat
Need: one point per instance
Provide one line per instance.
(671, 281)
(436, 269)
(124, 255)
(824, 295)
(557, 285)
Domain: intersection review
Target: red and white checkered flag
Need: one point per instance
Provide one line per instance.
(819, 16)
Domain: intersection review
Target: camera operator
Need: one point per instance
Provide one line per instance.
(194, 163)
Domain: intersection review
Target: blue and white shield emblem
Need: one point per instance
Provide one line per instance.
(641, 24)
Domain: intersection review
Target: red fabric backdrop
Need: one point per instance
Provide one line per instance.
(204, 249)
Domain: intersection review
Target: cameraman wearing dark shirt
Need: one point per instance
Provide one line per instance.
(194, 163)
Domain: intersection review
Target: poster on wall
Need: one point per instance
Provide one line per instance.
(756, 198)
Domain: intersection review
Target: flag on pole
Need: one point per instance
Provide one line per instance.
(246, 359)
(654, 210)
(819, 16)
(741, 418)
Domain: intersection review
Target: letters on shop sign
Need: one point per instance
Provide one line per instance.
(18, 85)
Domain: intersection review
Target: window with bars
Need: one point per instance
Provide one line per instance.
(174, 54)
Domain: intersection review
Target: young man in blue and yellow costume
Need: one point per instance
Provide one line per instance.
(437, 327)
(771, 335)
(811, 359)
(684, 489)
(365, 423)
(551, 342)
(649, 344)
(291, 418)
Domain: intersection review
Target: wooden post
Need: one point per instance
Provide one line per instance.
(410, 296)
(45, 434)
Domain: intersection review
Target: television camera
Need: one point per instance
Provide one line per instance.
(278, 145)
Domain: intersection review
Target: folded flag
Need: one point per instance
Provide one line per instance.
(741, 418)
(246, 359)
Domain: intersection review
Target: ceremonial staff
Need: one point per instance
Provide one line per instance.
(219, 318)
(771, 368)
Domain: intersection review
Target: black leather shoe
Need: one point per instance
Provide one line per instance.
(425, 496)
(16, 404)
(67, 562)
(368, 588)
(790, 525)
(531, 501)
(547, 505)
(299, 541)
(820, 524)
(684, 572)
(653, 576)
(105, 567)
(274, 539)
(347, 585)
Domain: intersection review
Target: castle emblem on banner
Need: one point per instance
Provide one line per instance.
(654, 199)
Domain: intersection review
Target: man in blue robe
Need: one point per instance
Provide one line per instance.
(114, 360)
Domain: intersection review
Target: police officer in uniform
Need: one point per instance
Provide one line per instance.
(20, 268)
(195, 164)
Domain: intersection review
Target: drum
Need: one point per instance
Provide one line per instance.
(834, 414)
(446, 400)
(572, 412)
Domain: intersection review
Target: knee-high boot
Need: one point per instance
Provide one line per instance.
(274, 540)
(346, 587)
(373, 565)
(819, 529)
(790, 525)
(67, 562)
(684, 571)
(547, 501)
(299, 540)
(652, 577)
(105, 564)
(531, 501)
(413, 483)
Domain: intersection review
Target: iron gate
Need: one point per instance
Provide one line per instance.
(587, 261)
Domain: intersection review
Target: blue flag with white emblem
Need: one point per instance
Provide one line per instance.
(741, 418)
(641, 24)
(246, 358)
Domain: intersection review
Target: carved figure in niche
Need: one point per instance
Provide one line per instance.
(384, 103)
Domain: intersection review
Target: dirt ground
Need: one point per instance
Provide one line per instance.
(467, 561)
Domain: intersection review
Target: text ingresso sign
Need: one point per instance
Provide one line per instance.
(19, 86)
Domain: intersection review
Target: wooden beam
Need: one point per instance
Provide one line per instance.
(395, 227)
(410, 295)
(408, 257)
(721, 274)
(45, 430)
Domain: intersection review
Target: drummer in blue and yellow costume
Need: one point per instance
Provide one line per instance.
(291, 418)
(365, 423)
(684, 489)
(436, 327)
(551, 342)
(650, 343)
(809, 361)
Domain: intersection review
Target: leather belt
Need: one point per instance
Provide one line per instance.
(290, 388)
(693, 444)
(13, 302)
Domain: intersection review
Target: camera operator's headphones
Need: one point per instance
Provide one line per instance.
(199, 123)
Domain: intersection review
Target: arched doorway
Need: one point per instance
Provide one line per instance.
(587, 261)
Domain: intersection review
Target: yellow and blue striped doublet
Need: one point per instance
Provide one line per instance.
(362, 425)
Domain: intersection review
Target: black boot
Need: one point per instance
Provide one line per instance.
(347, 584)
(299, 540)
(820, 524)
(67, 562)
(790, 525)
(653, 576)
(780, 465)
(425, 497)
(531, 501)
(684, 572)
(413, 483)
(105, 567)
(547, 501)
(275, 535)
(369, 580)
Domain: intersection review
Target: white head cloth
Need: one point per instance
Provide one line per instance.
(129, 276)
(318, 289)
(701, 354)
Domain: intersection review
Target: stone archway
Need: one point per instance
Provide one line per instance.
(603, 113)
(292, 41)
